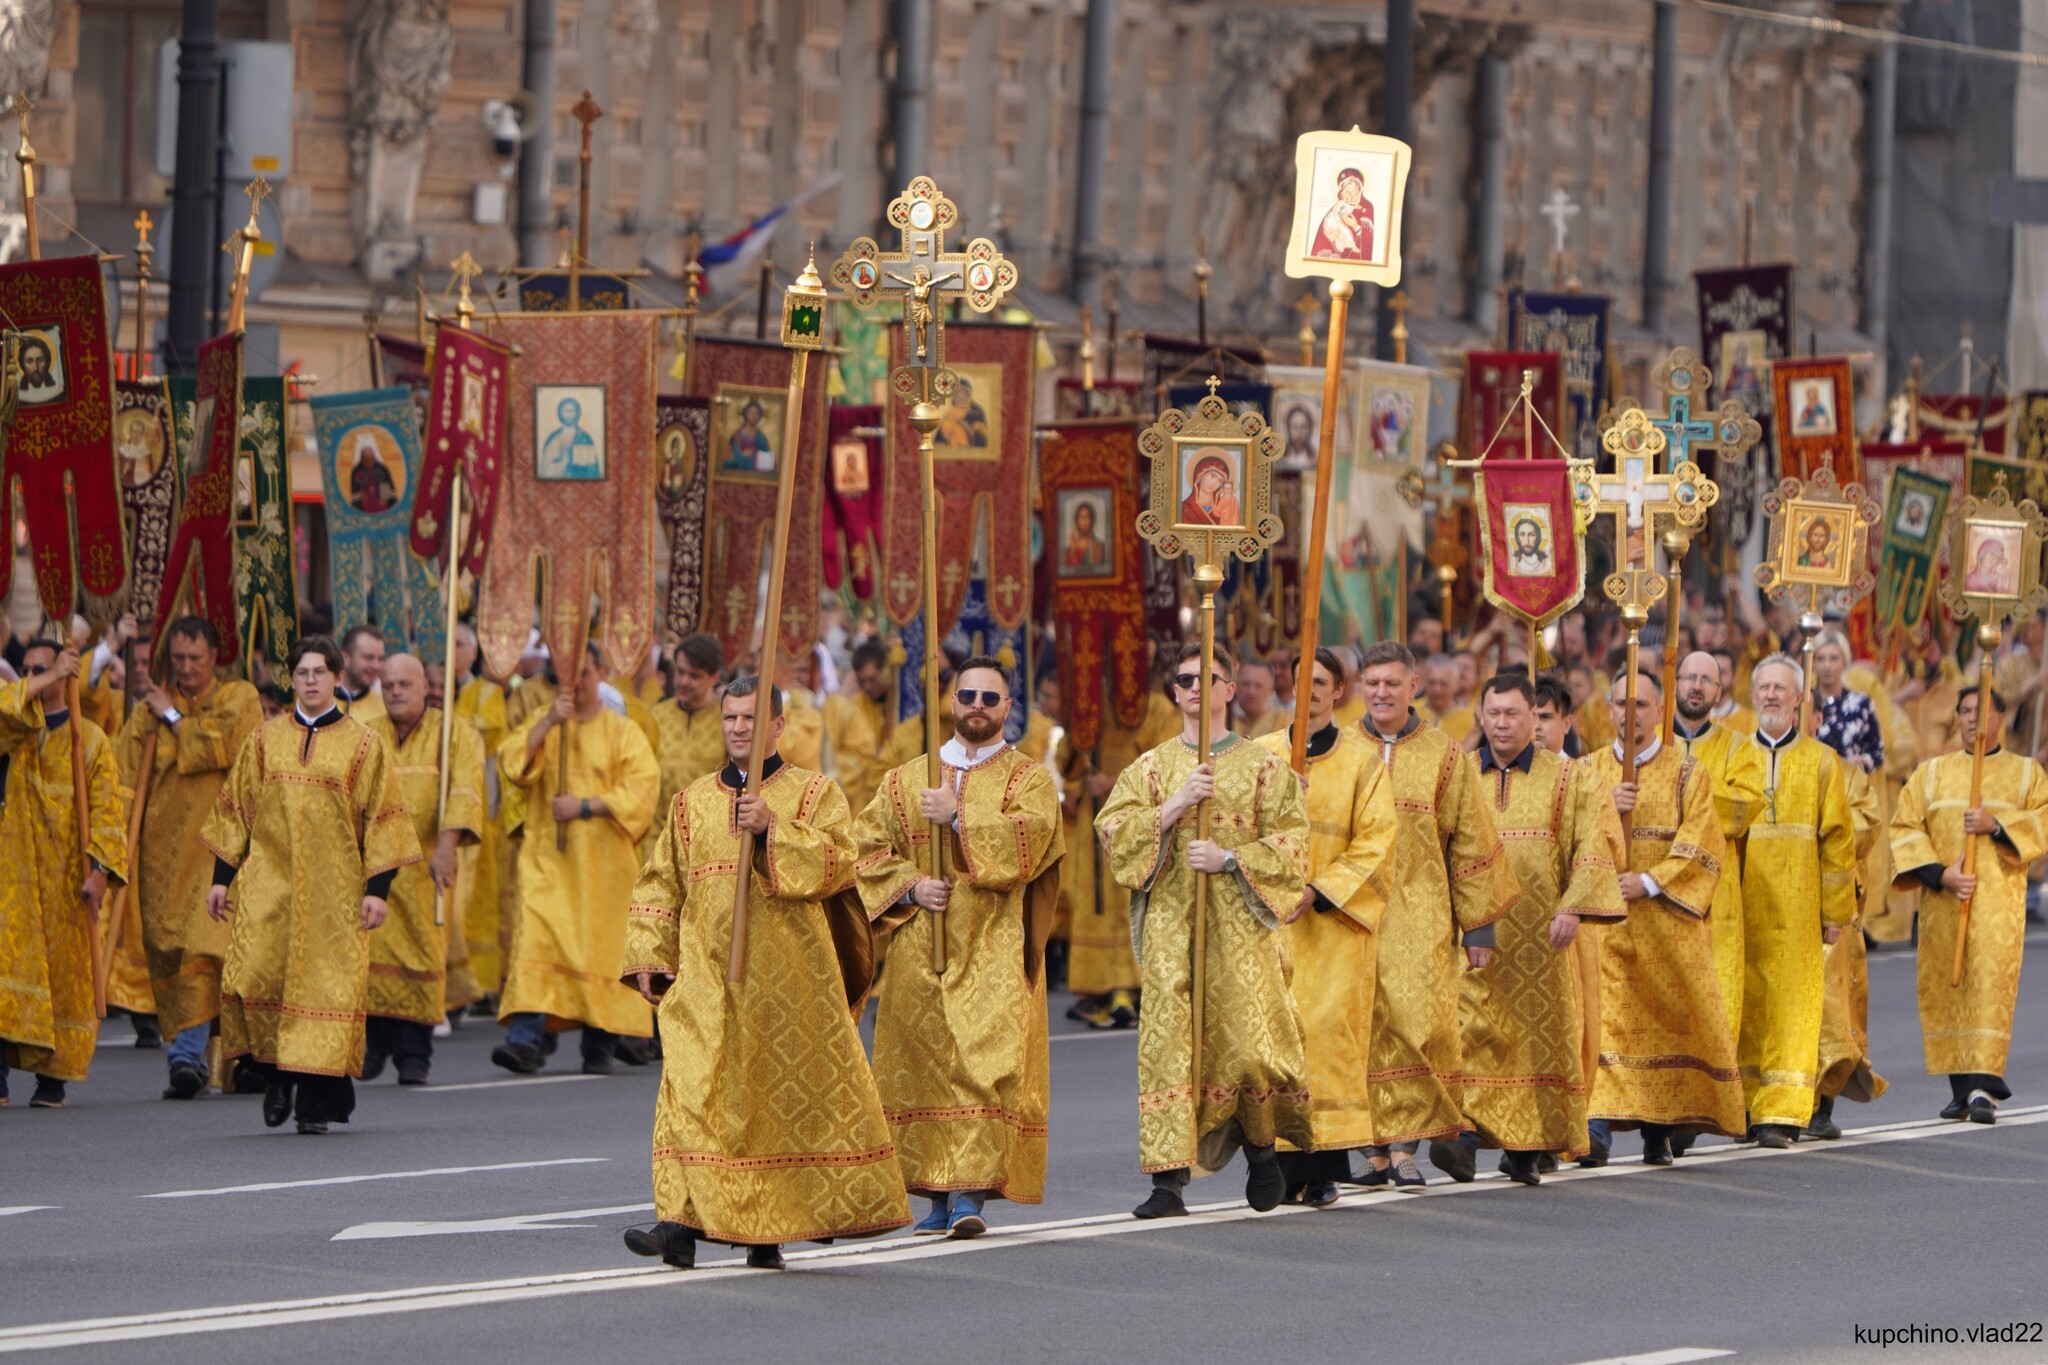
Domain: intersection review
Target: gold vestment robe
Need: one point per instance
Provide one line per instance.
(1845, 1068)
(409, 952)
(307, 816)
(692, 744)
(1099, 956)
(485, 882)
(1667, 1052)
(1332, 953)
(186, 946)
(572, 902)
(1454, 879)
(803, 732)
(47, 1023)
(767, 1128)
(1798, 875)
(1276, 720)
(1967, 1028)
(1036, 741)
(1887, 912)
(960, 1060)
(1737, 769)
(528, 696)
(1523, 1015)
(1254, 1082)
(856, 729)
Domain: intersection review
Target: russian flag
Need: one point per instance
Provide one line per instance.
(730, 266)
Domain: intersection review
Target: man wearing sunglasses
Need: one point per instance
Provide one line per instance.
(960, 1058)
(1253, 1087)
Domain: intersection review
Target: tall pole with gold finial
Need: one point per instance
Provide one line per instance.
(1319, 516)
(1202, 273)
(466, 269)
(22, 107)
(143, 252)
(587, 113)
(803, 331)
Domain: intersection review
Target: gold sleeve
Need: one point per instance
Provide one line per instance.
(1359, 880)
(107, 841)
(1483, 886)
(208, 740)
(1687, 875)
(389, 839)
(1591, 889)
(226, 830)
(1269, 868)
(1128, 826)
(1912, 841)
(884, 860)
(655, 913)
(809, 854)
(635, 783)
(1837, 846)
(1009, 835)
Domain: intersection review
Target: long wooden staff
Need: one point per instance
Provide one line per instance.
(802, 312)
(924, 420)
(1208, 578)
(1633, 616)
(451, 591)
(1319, 522)
(1987, 641)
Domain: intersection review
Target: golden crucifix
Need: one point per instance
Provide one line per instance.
(243, 244)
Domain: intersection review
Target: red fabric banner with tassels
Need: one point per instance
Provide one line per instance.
(854, 479)
(1089, 481)
(466, 417)
(1493, 381)
(199, 576)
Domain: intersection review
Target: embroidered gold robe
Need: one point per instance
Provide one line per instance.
(1333, 953)
(1798, 875)
(803, 732)
(1523, 1015)
(47, 1024)
(186, 947)
(1968, 1027)
(961, 1060)
(1454, 879)
(767, 1128)
(1667, 1052)
(1845, 1068)
(1887, 911)
(1099, 957)
(307, 817)
(1275, 721)
(1737, 769)
(1254, 1082)
(484, 883)
(856, 729)
(409, 952)
(692, 744)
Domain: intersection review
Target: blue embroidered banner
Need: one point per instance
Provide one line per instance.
(976, 633)
(369, 445)
(1574, 326)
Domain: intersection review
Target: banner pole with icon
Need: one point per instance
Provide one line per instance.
(1199, 462)
(1994, 575)
(803, 331)
(926, 277)
(1345, 230)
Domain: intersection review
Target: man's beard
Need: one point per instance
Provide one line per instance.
(977, 729)
(1694, 712)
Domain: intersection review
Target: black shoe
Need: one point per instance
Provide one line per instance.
(1595, 1159)
(1656, 1149)
(1777, 1136)
(548, 1043)
(373, 1064)
(247, 1080)
(596, 1064)
(519, 1058)
(486, 1008)
(1681, 1143)
(1407, 1176)
(1520, 1167)
(277, 1104)
(147, 1034)
(1546, 1163)
(766, 1258)
(1162, 1203)
(1983, 1109)
(1823, 1126)
(1458, 1159)
(1374, 1177)
(311, 1129)
(187, 1080)
(631, 1051)
(1956, 1109)
(1320, 1195)
(674, 1243)
(412, 1071)
(1264, 1185)
(50, 1095)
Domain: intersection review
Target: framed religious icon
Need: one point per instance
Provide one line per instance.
(1813, 406)
(1394, 403)
(1086, 549)
(569, 433)
(850, 467)
(1532, 540)
(139, 445)
(675, 455)
(971, 415)
(1816, 549)
(1742, 370)
(1992, 551)
(746, 431)
(1994, 557)
(1348, 190)
(369, 469)
(1297, 413)
(245, 488)
(43, 373)
(1818, 558)
(1212, 482)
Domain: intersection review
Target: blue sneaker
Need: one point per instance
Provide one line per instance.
(967, 1220)
(932, 1224)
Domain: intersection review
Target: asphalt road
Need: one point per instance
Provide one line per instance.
(478, 1220)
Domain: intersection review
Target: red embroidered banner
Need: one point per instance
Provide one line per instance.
(853, 498)
(466, 428)
(747, 383)
(149, 488)
(1530, 542)
(199, 575)
(981, 469)
(1815, 405)
(1960, 416)
(1493, 381)
(576, 491)
(1089, 481)
(60, 450)
(682, 487)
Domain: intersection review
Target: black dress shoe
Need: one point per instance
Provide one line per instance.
(1520, 1167)
(518, 1058)
(1983, 1109)
(373, 1064)
(1594, 1159)
(49, 1094)
(1264, 1185)
(1777, 1136)
(187, 1080)
(310, 1128)
(766, 1258)
(1375, 1177)
(1681, 1143)
(1321, 1195)
(1162, 1203)
(247, 1080)
(597, 1064)
(412, 1071)
(673, 1242)
(1546, 1163)
(277, 1104)
(1823, 1126)
(1458, 1159)
(548, 1043)
(1656, 1149)
(1956, 1109)
(631, 1051)
(147, 1034)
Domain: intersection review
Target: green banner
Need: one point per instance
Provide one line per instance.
(1915, 517)
(266, 581)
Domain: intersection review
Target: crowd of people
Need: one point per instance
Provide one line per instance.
(1476, 923)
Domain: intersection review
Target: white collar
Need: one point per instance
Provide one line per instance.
(954, 753)
(1783, 741)
(1656, 747)
(310, 721)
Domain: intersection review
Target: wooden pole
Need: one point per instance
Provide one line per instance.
(1208, 578)
(1676, 543)
(1319, 518)
(1202, 274)
(924, 420)
(465, 268)
(1987, 641)
(1634, 616)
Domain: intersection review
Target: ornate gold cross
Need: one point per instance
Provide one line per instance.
(1641, 501)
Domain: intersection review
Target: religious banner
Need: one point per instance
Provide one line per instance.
(1073, 401)
(1371, 525)
(58, 456)
(1493, 381)
(2033, 426)
(1088, 480)
(682, 492)
(146, 452)
(1987, 420)
(860, 362)
(747, 385)
(974, 632)
(1530, 538)
(576, 492)
(1575, 328)
(1746, 322)
(1815, 406)
(1297, 411)
(853, 499)
(369, 451)
(549, 290)
(266, 577)
(982, 472)
(199, 573)
(404, 361)
(1915, 514)
(465, 429)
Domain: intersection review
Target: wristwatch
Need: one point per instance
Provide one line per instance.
(172, 715)
(1230, 861)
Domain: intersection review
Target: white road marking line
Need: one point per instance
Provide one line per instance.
(1677, 1355)
(522, 1222)
(1095, 1033)
(28, 1208)
(497, 1085)
(379, 1175)
(235, 1317)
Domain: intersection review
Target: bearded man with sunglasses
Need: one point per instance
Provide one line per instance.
(960, 1057)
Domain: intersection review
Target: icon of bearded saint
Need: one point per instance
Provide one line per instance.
(1345, 233)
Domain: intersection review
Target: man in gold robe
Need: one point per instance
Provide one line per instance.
(573, 897)
(691, 745)
(51, 890)
(961, 1059)
(1248, 1085)
(1798, 895)
(1966, 1028)
(1725, 754)
(1528, 1069)
(1845, 1067)
(200, 724)
(1454, 882)
(310, 829)
(857, 725)
(768, 1128)
(409, 954)
(1667, 1053)
(1334, 937)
